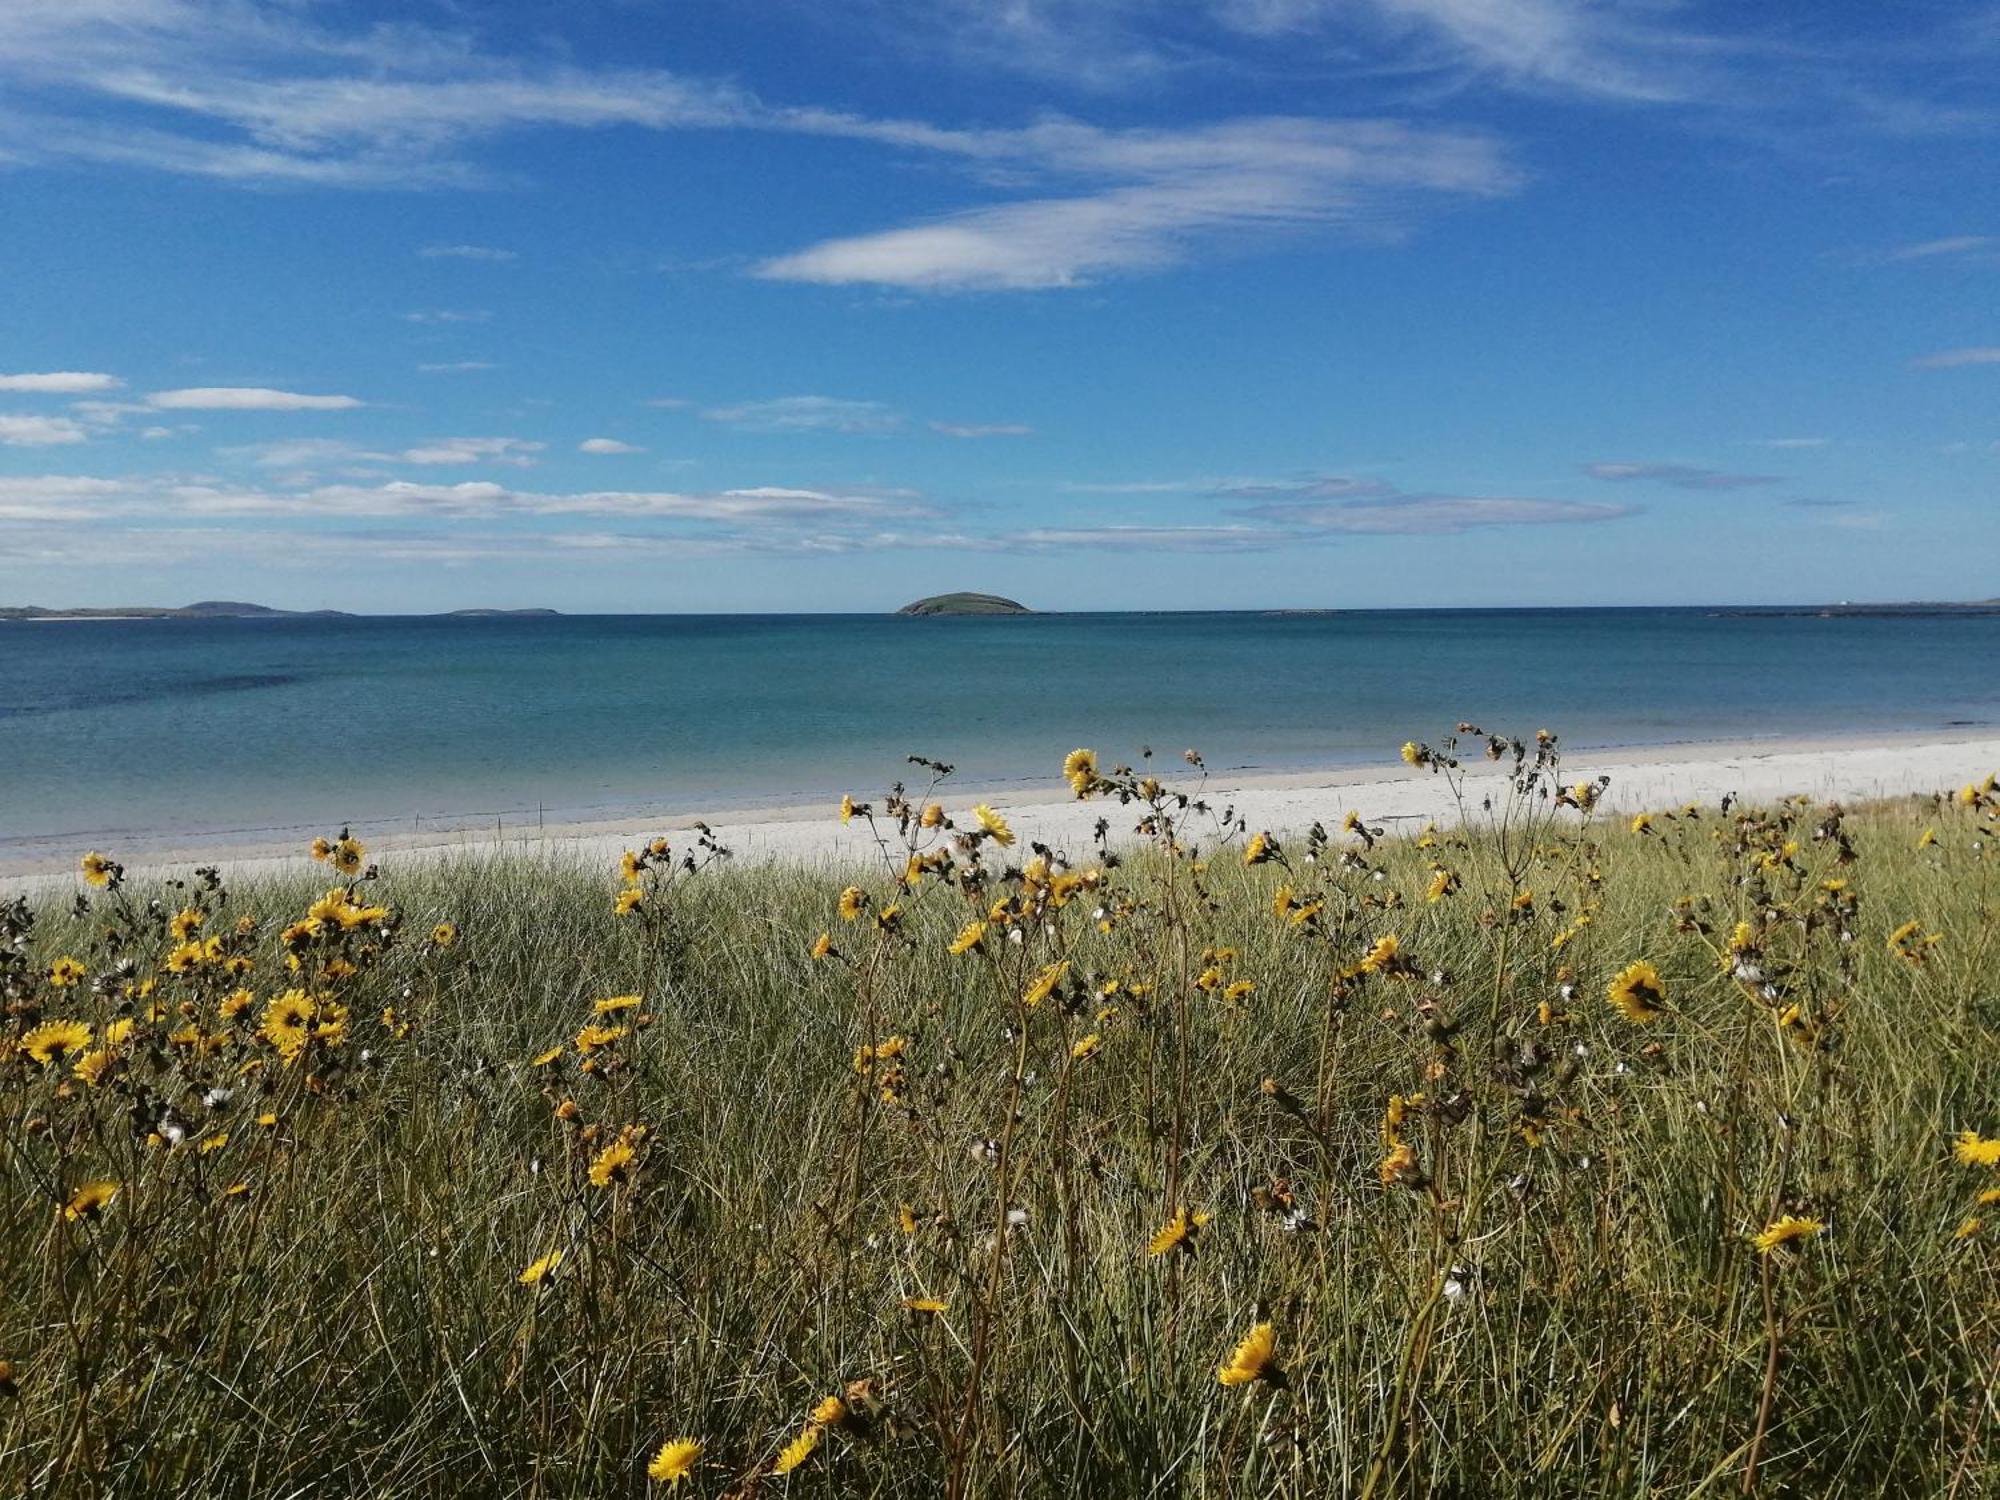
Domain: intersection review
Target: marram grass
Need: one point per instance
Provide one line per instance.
(1552, 1154)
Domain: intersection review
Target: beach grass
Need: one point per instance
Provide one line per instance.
(1543, 1154)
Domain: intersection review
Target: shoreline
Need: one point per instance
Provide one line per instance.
(1284, 801)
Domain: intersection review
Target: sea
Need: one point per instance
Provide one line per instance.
(256, 729)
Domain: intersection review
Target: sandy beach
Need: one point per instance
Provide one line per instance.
(1390, 794)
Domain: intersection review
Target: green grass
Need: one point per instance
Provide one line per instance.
(1582, 1316)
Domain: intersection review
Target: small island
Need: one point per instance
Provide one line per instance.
(965, 604)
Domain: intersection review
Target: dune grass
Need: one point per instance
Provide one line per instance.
(1033, 1211)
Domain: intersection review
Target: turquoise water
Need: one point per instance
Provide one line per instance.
(239, 726)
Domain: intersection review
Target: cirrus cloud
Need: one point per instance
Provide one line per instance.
(246, 398)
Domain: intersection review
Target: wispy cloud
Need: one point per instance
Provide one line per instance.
(982, 429)
(469, 252)
(519, 452)
(1955, 359)
(1952, 247)
(1793, 442)
(60, 382)
(457, 367)
(39, 432)
(605, 445)
(1680, 476)
(448, 315)
(1437, 515)
(246, 398)
(808, 414)
(1148, 198)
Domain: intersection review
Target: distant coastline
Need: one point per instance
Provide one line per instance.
(229, 609)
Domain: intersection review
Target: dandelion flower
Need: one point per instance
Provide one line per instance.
(1177, 1233)
(929, 1305)
(1638, 994)
(1413, 753)
(1641, 823)
(853, 901)
(591, 1038)
(970, 936)
(1087, 1048)
(540, 1269)
(628, 900)
(615, 1003)
(1080, 770)
(822, 946)
(1045, 983)
(543, 1059)
(65, 972)
(444, 934)
(830, 1412)
(798, 1450)
(1401, 1166)
(1251, 1359)
(675, 1460)
(612, 1163)
(56, 1041)
(846, 809)
(1261, 848)
(347, 855)
(1383, 956)
(97, 869)
(89, 1201)
(1974, 1150)
(995, 826)
(287, 1022)
(1783, 1231)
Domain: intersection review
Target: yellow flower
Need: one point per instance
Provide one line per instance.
(1401, 1165)
(1969, 1228)
(98, 870)
(65, 972)
(675, 1460)
(1909, 941)
(92, 1066)
(830, 1412)
(1383, 956)
(1080, 770)
(1928, 838)
(798, 1450)
(1641, 823)
(615, 1003)
(543, 1059)
(1045, 983)
(185, 923)
(629, 866)
(1638, 994)
(56, 1041)
(1442, 882)
(347, 855)
(1974, 1150)
(822, 946)
(592, 1037)
(1242, 989)
(933, 815)
(287, 1020)
(89, 1201)
(929, 1305)
(1177, 1233)
(1261, 847)
(1413, 753)
(1087, 1048)
(1783, 1231)
(612, 1163)
(322, 849)
(970, 936)
(444, 934)
(846, 809)
(1251, 1359)
(853, 901)
(540, 1269)
(628, 900)
(995, 826)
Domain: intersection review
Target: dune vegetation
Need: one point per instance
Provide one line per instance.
(1545, 1153)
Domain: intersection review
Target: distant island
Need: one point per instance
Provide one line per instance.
(965, 604)
(229, 609)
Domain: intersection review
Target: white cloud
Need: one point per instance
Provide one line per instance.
(457, 367)
(471, 450)
(607, 445)
(60, 382)
(39, 432)
(1793, 442)
(245, 398)
(982, 429)
(1151, 196)
(808, 414)
(468, 252)
(1953, 359)
(668, 403)
(55, 497)
(448, 315)
(1437, 515)
(1950, 246)
(1680, 476)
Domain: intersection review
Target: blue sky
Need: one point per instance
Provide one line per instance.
(684, 305)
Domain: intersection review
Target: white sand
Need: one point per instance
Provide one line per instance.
(1847, 770)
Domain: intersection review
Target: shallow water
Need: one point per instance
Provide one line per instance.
(211, 726)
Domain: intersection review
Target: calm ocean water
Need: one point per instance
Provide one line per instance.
(250, 725)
